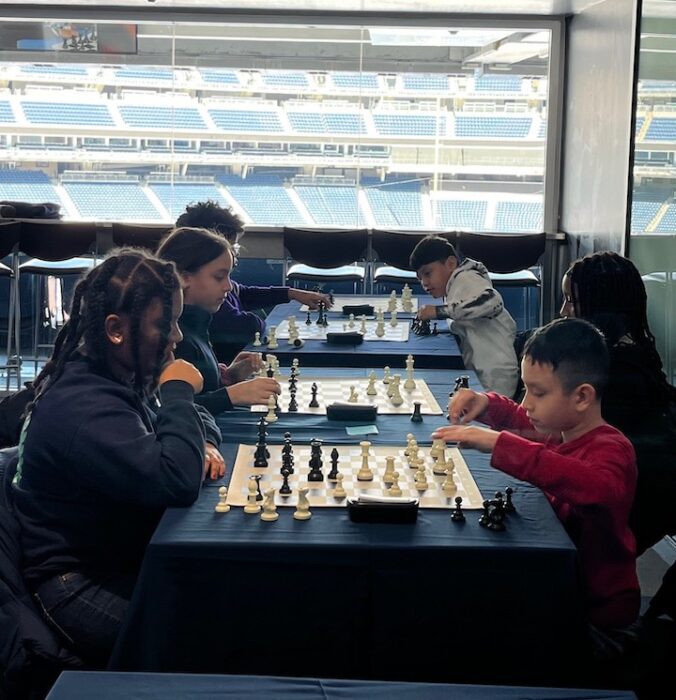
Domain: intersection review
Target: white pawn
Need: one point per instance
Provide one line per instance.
(302, 511)
(380, 329)
(339, 491)
(389, 470)
(269, 513)
(410, 441)
(271, 417)
(396, 399)
(449, 486)
(222, 506)
(252, 506)
(362, 330)
(272, 338)
(350, 321)
(257, 339)
(421, 477)
(386, 375)
(371, 388)
(395, 490)
(353, 397)
(393, 319)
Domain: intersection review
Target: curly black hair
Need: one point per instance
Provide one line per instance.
(211, 215)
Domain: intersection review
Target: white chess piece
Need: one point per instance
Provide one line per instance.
(269, 513)
(271, 416)
(353, 398)
(252, 506)
(222, 506)
(380, 329)
(371, 388)
(272, 338)
(421, 477)
(350, 323)
(302, 511)
(449, 486)
(339, 490)
(295, 364)
(439, 467)
(396, 399)
(386, 375)
(380, 315)
(362, 329)
(392, 301)
(365, 473)
(257, 339)
(395, 490)
(389, 470)
(410, 441)
(393, 319)
(409, 384)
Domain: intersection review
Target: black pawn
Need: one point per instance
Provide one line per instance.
(308, 320)
(417, 415)
(270, 372)
(257, 479)
(314, 403)
(457, 516)
(285, 489)
(261, 456)
(509, 506)
(333, 474)
(496, 515)
(293, 405)
(435, 330)
(484, 519)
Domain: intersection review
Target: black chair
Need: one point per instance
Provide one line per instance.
(31, 656)
(507, 258)
(394, 248)
(326, 255)
(9, 240)
(139, 236)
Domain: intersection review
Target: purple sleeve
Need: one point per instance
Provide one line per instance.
(233, 323)
(260, 297)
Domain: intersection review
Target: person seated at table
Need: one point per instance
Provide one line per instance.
(235, 324)
(483, 326)
(98, 460)
(558, 440)
(204, 262)
(607, 290)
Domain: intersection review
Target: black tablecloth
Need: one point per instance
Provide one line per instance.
(433, 351)
(142, 686)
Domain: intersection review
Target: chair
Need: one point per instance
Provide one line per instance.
(394, 248)
(326, 255)
(139, 236)
(507, 258)
(58, 249)
(9, 239)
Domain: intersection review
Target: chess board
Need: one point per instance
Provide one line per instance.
(377, 302)
(332, 390)
(398, 333)
(349, 463)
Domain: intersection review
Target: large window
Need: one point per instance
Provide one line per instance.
(396, 127)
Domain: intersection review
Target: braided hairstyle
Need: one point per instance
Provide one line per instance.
(127, 281)
(607, 290)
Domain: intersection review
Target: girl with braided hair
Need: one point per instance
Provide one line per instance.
(607, 290)
(97, 465)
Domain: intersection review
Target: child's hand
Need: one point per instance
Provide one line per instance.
(182, 371)
(312, 299)
(481, 439)
(427, 312)
(466, 405)
(253, 392)
(214, 464)
(243, 366)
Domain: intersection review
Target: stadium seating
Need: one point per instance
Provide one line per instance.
(153, 117)
(355, 81)
(265, 199)
(111, 201)
(144, 74)
(220, 77)
(491, 127)
(397, 124)
(176, 197)
(661, 129)
(642, 213)
(55, 70)
(639, 125)
(285, 79)
(27, 186)
(465, 214)
(433, 82)
(518, 216)
(396, 206)
(667, 223)
(331, 205)
(327, 122)
(78, 114)
(498, 83)
(246, 120)
(6, 114)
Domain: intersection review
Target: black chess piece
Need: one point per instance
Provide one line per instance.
(293, 405)
(308, 320)
(257, 479)
(320, 312)
(262, 434)
(435, 330)
(260, 456)
(314, 403)
(315, 461)
(285, 489)
(334, 465)
(277, 408)
(287, 453)
(457, 516)
(496, 515)
(509, 506)
(417, 415)
(484, 519)
(270, 372)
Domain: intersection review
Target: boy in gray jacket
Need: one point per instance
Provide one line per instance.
(484, 328)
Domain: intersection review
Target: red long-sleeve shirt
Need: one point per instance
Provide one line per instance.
(590, 482)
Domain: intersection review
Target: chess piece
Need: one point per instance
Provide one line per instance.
(380, 316)
(313, 402)
(393, 318)
(484, 519)
(395, 490)
(362, 328)
(271, 417)
(285, 489)
(272, 338)
(270, 371)
(386, 375)
(457, 516)
(396, 399)
(308, 320)
(269, 513)
(252, 506)
(339, 491)
(302, 511)
(389, 470)
(364, 473)
(410, 441)
(293, 405)
(333, 474)
(409, 384)
(496, 514)
(353, 397)
(449, 486)
(350, 323)
(435, 331)
(315, 461)
(287, 453)
(380, 329)
(257, 339)
(222, 506)
(392, 301)
(371, 388)
(295, 367)
(417, 415)
(509, 506)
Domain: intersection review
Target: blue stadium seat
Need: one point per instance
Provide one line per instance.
(67, 113)
(661, 129)
(153, 117)
(246, 120)
(461, 214)
(327, 122)
(286, 79)
(642, 213)
(355, 81)
(491, 82)
(331, 205)
(220, 77)
(144, 74)
(667, 223)
(176, 197)
(6, 113)
(265, 200)
(111, 201)
(518, 216)
(396, 205)
(432, 82)
(397, 124)
(492, 127)
(32, 186)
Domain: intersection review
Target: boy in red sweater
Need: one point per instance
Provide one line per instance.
(558, 441)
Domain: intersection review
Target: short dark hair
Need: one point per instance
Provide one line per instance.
(191, 248)
(211, 215)
(431, 249)
(575, 349)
